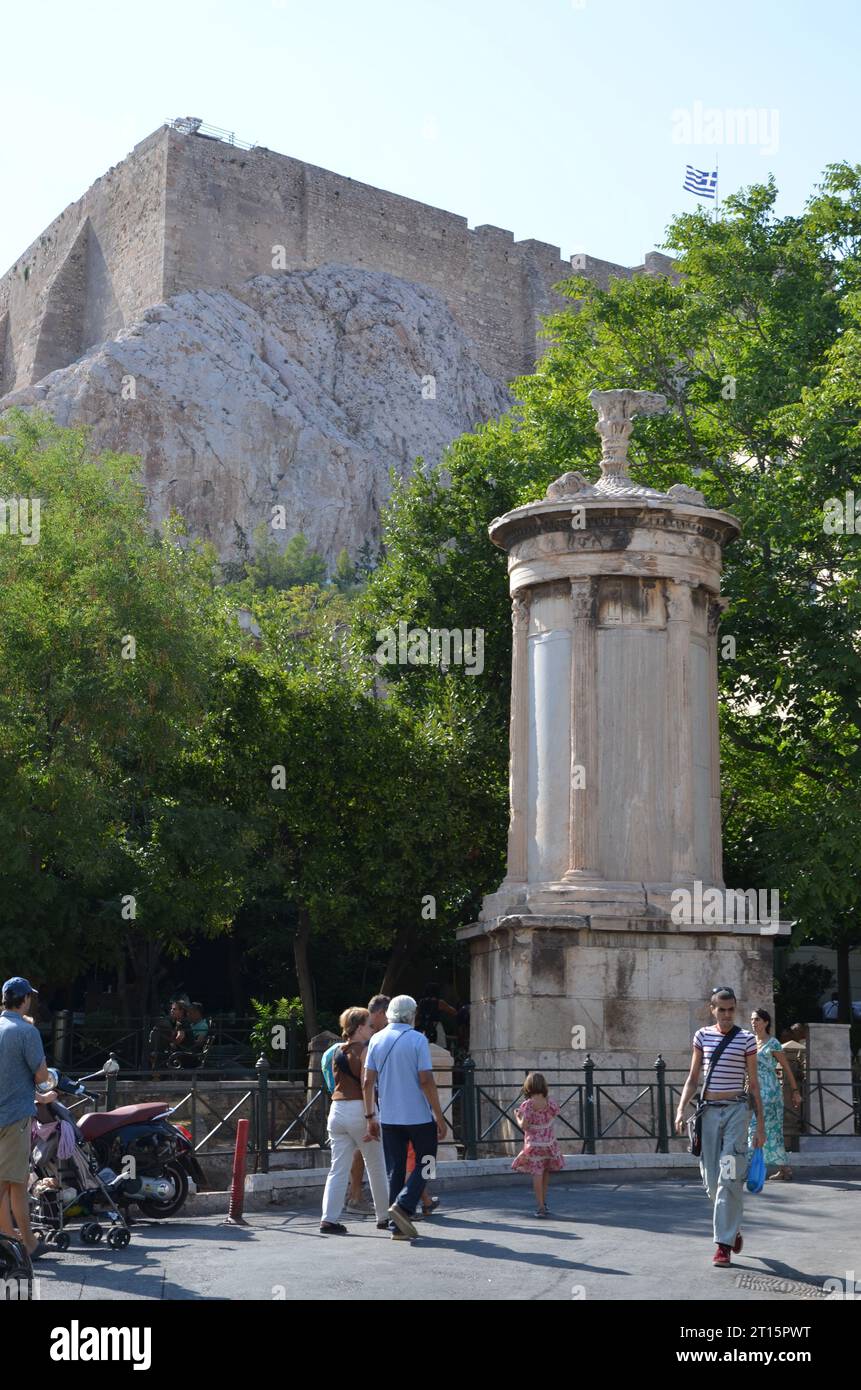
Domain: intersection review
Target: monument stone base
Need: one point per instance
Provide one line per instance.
(621, 990)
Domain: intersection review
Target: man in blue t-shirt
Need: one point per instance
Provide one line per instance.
(398, 1061)
(22, 1065)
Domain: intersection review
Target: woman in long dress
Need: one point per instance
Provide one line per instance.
(768, 1054)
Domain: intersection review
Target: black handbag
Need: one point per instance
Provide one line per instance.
(695, 1123)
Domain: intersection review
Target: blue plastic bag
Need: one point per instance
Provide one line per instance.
(756, 1172)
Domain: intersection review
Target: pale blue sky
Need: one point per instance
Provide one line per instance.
(552, 118)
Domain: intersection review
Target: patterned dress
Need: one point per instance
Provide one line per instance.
(540, 1148)
(772, 1103)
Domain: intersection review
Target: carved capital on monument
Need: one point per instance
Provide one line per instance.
(519, 610)
(715, 611)
(617, 411)
(582, 598)
(679, 597)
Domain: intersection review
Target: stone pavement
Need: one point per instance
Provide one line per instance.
(634, 1240)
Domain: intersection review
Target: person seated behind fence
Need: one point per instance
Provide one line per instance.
(178, 1020)
(429, 1014)
(163, 1037)
(195, 1031)
(190, 1037)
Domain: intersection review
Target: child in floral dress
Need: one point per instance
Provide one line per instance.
(541, 1154)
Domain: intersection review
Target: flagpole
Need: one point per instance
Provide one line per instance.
(717, 186)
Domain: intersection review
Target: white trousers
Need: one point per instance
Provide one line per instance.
(347, 1128)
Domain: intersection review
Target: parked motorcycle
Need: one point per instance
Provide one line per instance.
(163, 1154)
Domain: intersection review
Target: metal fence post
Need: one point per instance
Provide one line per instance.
(589, 1104)
(111, 1070)
(262, 1069)
(663, 1132)
(62, 1041)
(470, 1109)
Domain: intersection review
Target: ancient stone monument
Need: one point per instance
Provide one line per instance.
(265, 334)
(614, 778)
(190, 210)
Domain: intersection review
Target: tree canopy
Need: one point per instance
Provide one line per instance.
(754, 340)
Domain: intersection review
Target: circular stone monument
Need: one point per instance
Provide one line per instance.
(614, 778)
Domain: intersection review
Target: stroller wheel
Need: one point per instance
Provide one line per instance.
(91, 1233)
(62, 1240)
(118, 1239)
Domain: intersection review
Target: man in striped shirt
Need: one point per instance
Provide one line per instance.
(724, 1157)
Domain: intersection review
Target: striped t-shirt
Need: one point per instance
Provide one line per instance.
(731, 1070)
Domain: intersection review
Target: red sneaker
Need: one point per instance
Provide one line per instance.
(737, 1244)
(721, 1257)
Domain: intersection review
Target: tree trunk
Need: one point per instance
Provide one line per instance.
(235, 973)
(844, 1003)
(404, 943)
(123, 990)
(301, 943)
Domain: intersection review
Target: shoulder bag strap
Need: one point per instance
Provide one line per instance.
(391, 1050)
(724, 1042)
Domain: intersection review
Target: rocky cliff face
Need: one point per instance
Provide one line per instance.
(299, 390)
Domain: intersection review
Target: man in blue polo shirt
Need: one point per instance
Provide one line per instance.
(22, 1065)
(398, 1061)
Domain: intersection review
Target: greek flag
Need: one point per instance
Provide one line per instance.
(700, 182)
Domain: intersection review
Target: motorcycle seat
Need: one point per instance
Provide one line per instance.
(95, 1125)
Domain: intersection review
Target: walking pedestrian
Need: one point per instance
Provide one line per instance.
(399, 1064)
(729, 1055)
(541, 1154)
(22, 1066)
(357, 1202)
(377, 1012)
(348, 1127)
(768, 1054)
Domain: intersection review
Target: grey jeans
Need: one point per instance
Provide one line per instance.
(723, 1165)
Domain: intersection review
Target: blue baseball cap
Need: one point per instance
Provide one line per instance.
(18, 985)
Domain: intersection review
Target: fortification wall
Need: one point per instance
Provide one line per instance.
(89, 273)
(185, 211)
(227, 209)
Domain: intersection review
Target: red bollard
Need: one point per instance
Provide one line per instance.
(237, 1182)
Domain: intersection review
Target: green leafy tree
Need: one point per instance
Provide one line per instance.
(110, 638)
(275, 568)
(754, 340)
(344, 576)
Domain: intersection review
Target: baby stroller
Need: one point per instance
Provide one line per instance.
(65, 1182)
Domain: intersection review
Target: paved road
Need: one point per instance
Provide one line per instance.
(634, 1240)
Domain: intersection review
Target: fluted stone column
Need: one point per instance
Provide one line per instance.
(715, 610)
(583, 806)
(680, 742)
(518, 741)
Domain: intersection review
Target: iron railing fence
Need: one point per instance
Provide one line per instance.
(599, 1106)
(606, 1105)
(282, 1109)
(191, 125)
